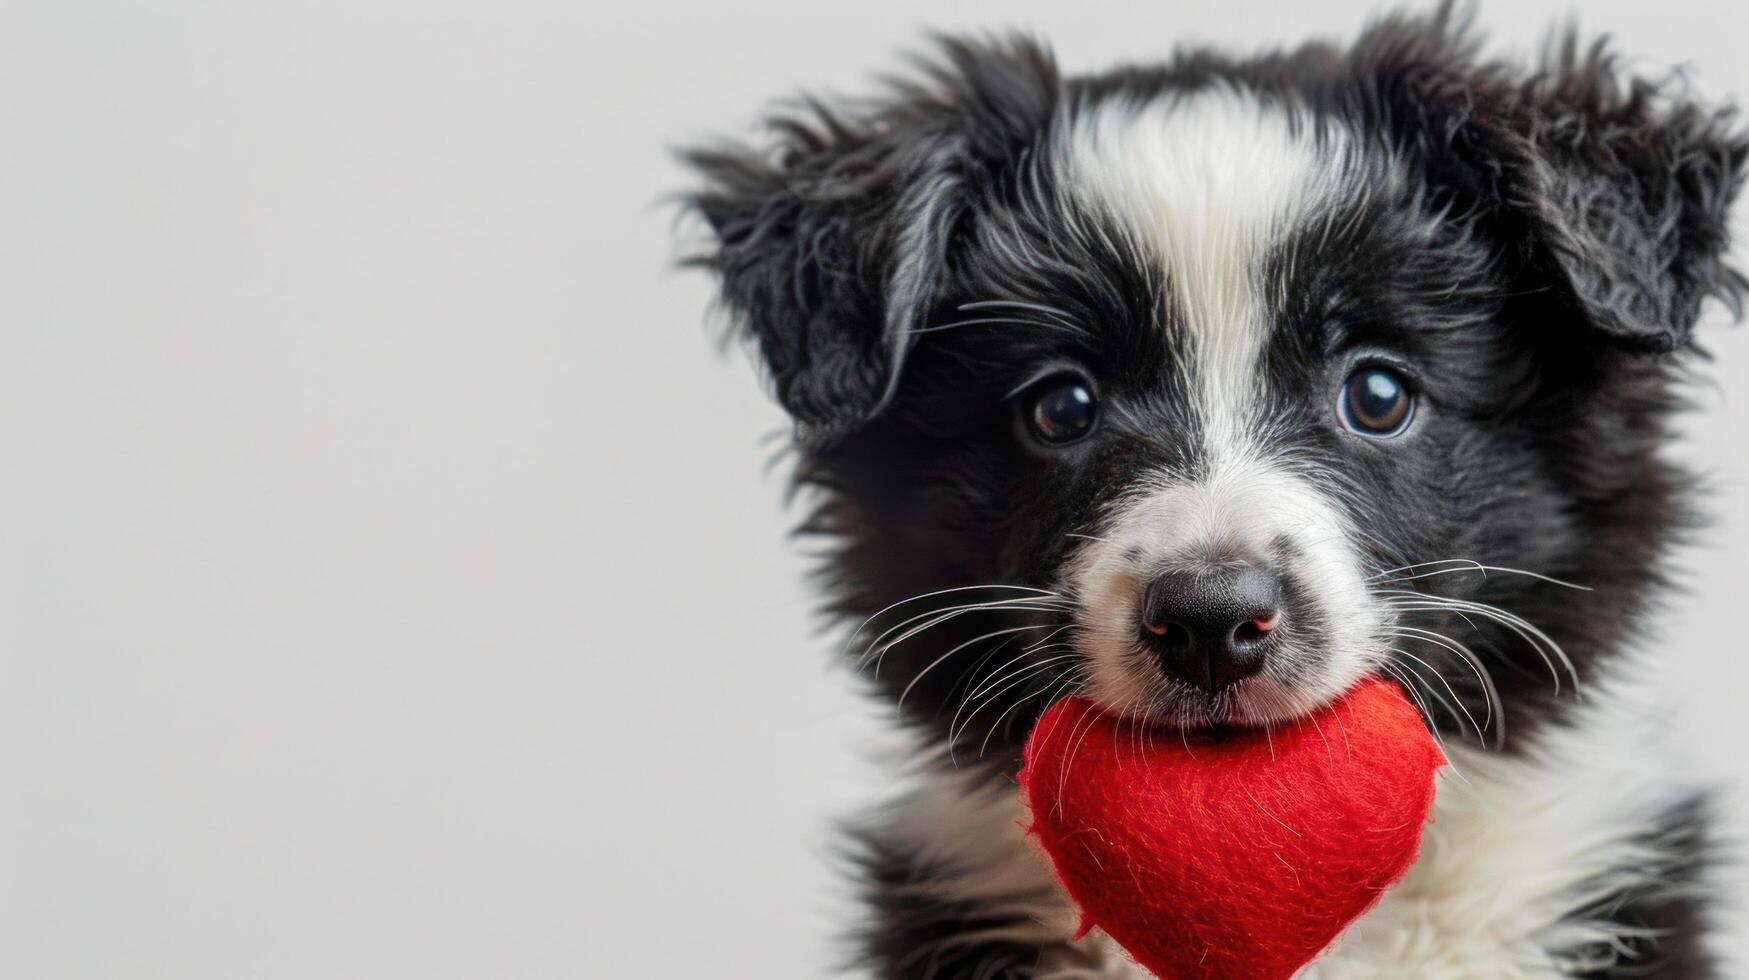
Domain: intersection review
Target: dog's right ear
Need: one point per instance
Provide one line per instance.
(831, 245)
(1610, 193)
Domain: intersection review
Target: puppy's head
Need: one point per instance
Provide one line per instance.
(1205, 390)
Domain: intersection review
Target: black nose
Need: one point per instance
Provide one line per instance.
(1212, 628)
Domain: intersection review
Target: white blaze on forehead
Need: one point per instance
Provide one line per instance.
(1206, 185)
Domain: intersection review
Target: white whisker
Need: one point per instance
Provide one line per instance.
(899, 708)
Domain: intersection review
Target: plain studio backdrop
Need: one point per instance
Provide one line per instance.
(391, 584)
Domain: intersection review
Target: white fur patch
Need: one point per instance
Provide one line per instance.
(1517, 847)
(1241, 506)
(1206, 185)
(1520, 848)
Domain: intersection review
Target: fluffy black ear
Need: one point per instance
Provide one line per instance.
(1628, 190)
(832, 244)
(1612, 188)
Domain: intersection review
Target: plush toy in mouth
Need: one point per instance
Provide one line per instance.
(1242, 855)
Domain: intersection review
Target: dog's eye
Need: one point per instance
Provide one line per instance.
(1376, 402)
(1060, 410)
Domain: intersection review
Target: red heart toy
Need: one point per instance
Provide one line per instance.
(1240, 857)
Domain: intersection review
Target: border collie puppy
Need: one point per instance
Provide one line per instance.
(1205, 389)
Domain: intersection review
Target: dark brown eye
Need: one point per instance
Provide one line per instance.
(1060, 410)
(1376, 402)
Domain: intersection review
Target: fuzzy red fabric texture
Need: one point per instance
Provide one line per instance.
(1241, 856)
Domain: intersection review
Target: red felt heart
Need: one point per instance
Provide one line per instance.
(1242, 856)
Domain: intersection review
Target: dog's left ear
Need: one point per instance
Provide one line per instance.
(1612, 188)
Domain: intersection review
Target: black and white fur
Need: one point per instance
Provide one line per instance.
(1216, 242)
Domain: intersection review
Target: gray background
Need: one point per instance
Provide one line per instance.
(389, 583)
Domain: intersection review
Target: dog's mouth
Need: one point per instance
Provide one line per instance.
(1248, 704)
(1260, 702)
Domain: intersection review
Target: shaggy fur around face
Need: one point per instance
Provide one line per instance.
(1213, 249)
